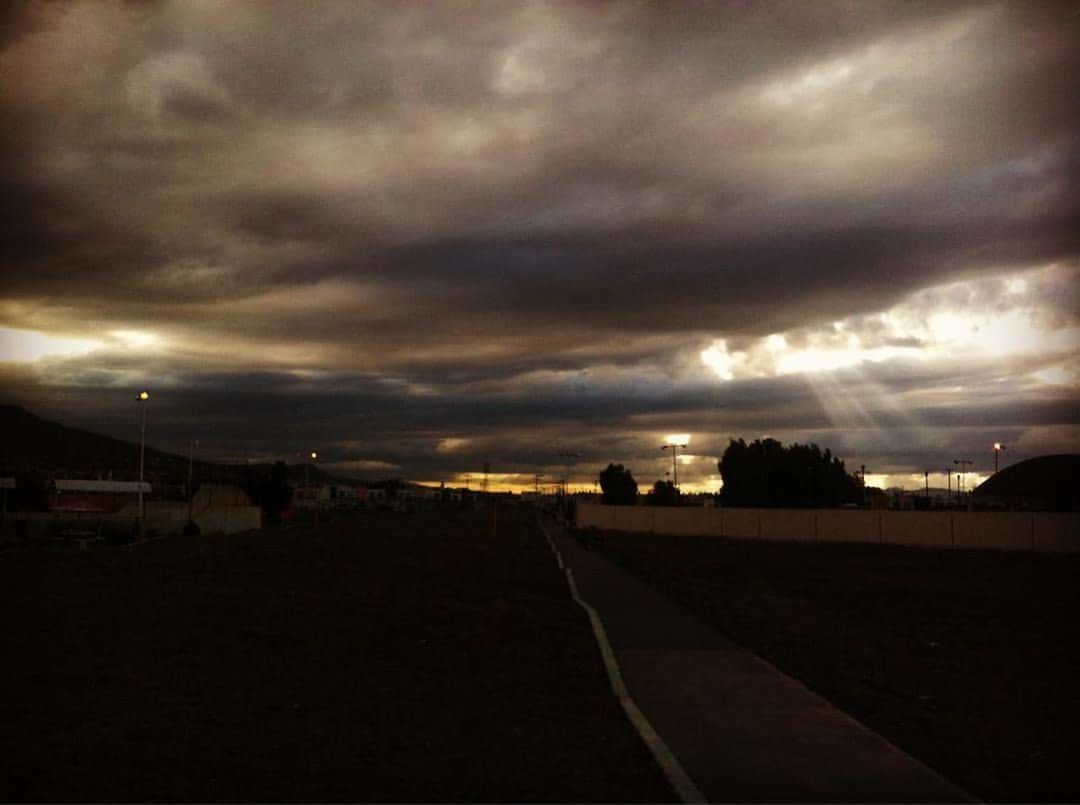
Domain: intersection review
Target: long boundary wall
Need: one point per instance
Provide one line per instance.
(1048, 532)
(161, 518)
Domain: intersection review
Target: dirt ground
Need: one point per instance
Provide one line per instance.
(388, 657)
(967, 660)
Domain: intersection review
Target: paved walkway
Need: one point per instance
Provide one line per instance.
(743, 730)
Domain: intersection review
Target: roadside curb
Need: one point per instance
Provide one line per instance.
(673, 770)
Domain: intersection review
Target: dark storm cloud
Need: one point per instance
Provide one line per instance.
(488, 216)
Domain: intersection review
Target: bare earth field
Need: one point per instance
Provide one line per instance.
(967, 660)
(387, 657)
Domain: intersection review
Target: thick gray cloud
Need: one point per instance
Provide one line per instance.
(495, 227)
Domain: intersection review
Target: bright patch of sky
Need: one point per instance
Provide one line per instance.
(1001, 317)
(27, 345)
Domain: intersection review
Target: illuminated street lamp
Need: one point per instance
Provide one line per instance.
(674, 443)
(142, 397)
(307, 484)
(998, 447)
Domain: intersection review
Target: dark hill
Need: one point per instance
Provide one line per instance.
(1046, 482)
(34, 444)
(51, 450)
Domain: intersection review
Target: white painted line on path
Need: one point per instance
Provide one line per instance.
(669, 764)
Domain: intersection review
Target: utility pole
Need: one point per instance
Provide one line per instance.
(566, 473)
(927, 478)
(487, 469)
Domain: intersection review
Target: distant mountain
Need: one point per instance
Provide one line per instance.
(1046, 482)
(32, 444)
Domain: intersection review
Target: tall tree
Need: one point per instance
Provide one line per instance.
(618, 486)
(766, 474)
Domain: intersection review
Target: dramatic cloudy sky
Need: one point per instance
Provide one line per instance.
(417, 237)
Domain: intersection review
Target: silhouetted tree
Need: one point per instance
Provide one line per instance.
(765, 473)
(618, 486)
(664, 493)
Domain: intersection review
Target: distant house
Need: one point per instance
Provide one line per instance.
(338, 495)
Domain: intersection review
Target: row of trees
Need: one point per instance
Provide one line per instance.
(763, 473)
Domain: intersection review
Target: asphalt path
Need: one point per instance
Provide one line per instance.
(741, 729)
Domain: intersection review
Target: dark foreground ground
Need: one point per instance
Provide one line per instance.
(968, 661)
(389, 657)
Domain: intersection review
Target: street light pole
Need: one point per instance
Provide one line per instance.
(998, 447)
(961, 462)
(142, 397)
(307, 467)
(190, 467)
(674, 463)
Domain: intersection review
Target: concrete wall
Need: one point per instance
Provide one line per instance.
(921, 529)
(1055, 532)
(161, 518)
(739, 523)
(1049, 532)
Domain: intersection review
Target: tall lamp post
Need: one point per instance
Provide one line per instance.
(307, 485)
(142, 398)
(674, 447)
(190, 467)
(998, 447)
(961, 463)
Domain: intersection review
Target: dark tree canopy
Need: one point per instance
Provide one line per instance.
(618, 486)
(664, 493)
(766, 474)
